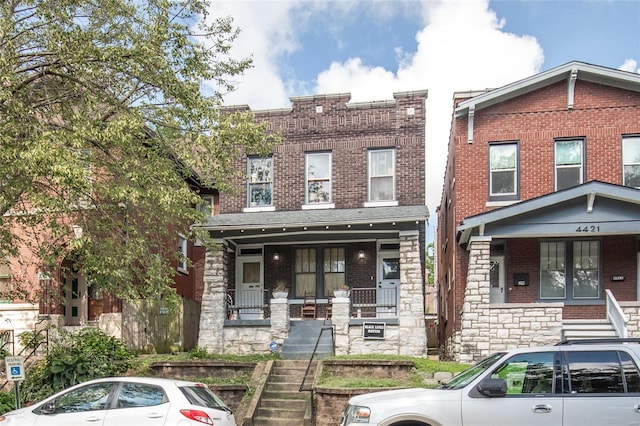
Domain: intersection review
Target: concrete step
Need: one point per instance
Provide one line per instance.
(587, 329)
(275, 421)
(302, 339)
(286, 410)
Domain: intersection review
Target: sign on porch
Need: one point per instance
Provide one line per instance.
(373, 330)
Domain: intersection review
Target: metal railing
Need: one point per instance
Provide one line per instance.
(615, 315)
(372, 302)
(313, 355)
(247, 304)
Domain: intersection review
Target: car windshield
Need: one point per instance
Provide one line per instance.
(467, 376)
(204, 397)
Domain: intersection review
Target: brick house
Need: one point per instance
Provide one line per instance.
(339, 202)
(34, 298)
(539, 221)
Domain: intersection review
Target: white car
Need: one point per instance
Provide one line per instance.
(575, 383)
(119, 401)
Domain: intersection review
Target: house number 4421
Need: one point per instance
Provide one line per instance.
(588, 228)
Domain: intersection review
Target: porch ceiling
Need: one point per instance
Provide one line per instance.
(316, 225)
(594, 208)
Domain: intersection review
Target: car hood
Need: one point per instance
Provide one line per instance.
(16, 415)
(405, 396)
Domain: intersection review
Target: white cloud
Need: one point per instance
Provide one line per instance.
(630, 65)
(462, 46)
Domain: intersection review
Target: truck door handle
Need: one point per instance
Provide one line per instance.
(542, 408)
(636, 408)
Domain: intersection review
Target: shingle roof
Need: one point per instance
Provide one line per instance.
(318, 217)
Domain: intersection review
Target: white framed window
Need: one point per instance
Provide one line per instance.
(206, 205)
(569, 167)
(260, 181)
(382, 175)
(631, 161)
(182, 254)
(318, 178)
(503, 171)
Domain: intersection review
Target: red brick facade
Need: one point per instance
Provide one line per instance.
(535, 117)
(348, 133)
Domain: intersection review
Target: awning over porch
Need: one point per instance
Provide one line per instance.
(594, 208)
(345, 224)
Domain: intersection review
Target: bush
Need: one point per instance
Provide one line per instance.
(74, 358)
(7, 401)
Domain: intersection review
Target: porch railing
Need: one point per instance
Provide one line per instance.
(373, 302)
(247, 304)
(615, 315)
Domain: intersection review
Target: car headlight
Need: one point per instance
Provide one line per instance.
(355, 414)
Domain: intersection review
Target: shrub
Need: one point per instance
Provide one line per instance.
(74, 358)
(7, 401)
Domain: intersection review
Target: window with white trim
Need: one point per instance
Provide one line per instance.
(206, 204)
(182, 253)
(260, 181)
(503, 171)
(318, 177)
(631, 161)
(382, 175)
(569, 163)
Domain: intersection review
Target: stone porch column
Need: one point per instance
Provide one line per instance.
(279, 319)
(474, 324)
(340, 320)
(413, 330)
(212, 312)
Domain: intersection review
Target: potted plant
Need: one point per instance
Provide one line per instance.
(281, 290)
(342, 291)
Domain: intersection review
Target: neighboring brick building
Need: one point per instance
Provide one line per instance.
(539, 220)
(340, 201)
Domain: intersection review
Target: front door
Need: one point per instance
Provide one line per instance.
(496, 280)
(388, 284)
(75, 298)
(249, 299)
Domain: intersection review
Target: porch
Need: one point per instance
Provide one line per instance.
(365, 302)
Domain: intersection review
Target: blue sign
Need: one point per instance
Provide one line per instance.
(273, 346)
(15, 371)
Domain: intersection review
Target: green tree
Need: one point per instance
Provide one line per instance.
(429, 265)
(107, 107)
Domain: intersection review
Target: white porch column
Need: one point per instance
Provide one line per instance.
(413, 330)
(212, 312)
(475, 325)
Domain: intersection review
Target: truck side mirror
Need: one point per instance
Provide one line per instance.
(493, 387)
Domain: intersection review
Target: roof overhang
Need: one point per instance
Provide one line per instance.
(300, 226)
(594, 208)
(568, 72)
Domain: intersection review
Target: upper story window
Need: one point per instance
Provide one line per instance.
(318, 176)
(631, 161)
(182, 254)
(569, 154)
(260, 182)
(382, 175)
(206, 205)
(503, 171)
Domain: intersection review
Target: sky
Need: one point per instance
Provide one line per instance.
(373, 48)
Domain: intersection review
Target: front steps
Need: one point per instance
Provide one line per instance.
(574, 329)
(282, 402)
(302, 338)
